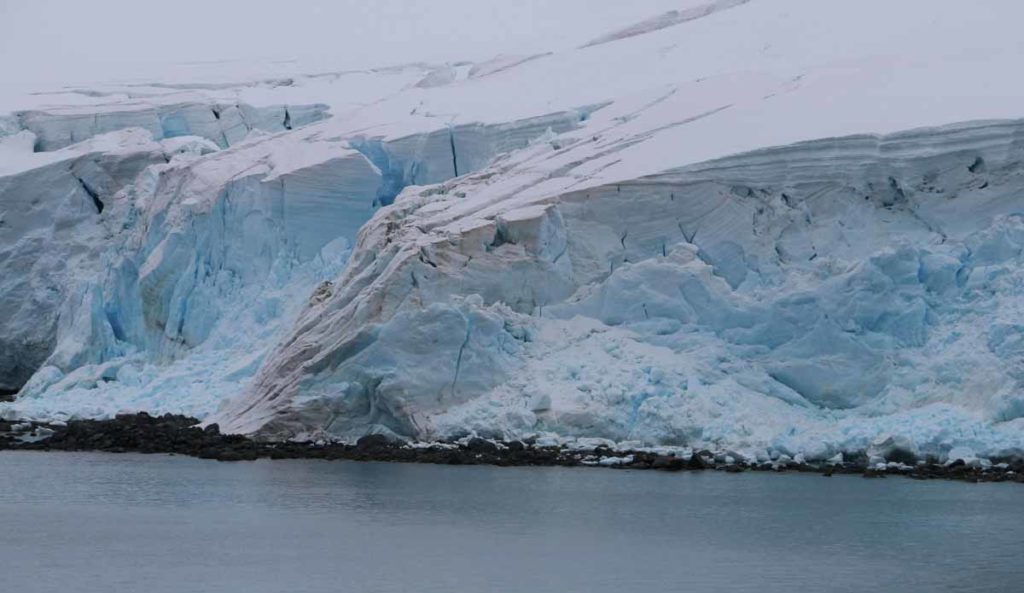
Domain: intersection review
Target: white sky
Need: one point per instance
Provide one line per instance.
(51, 43)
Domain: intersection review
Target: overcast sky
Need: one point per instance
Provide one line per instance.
(56, 42)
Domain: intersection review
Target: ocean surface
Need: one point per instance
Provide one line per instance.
(131, 523)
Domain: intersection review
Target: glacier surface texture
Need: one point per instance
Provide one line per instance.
(769, 228)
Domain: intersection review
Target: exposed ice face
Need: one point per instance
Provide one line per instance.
(52, 231)
(200, 285)
(219, 123)
(436, 156)
(213, 256)
(801, 299)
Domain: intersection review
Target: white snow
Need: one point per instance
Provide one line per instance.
(770, 228)
(668, 19)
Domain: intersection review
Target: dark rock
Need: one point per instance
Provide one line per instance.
(669, 463)
(374, 442)
(641, 460)
(176, 434)
(698, 461)
(901, 455)
(516, 446)
(856, 458)
(478, 445)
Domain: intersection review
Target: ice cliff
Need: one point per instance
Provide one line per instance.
(772, 243)
(800, 298)
(223, 124)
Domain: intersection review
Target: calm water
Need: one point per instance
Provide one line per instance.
(109, 523)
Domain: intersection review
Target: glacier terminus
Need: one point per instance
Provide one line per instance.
(764, 227)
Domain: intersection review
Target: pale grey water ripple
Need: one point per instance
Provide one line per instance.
(97, 522)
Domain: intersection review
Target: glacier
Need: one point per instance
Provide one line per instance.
(796, 241)
(803, 299)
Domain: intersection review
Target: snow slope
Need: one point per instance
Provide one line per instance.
(767, 226)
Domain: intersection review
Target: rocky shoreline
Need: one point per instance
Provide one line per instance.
(175, 434)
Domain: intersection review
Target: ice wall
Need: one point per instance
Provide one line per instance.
(225, 124)
(201, 278)
(55, 223)
(433, 157)
(216, 254)
(809, 298)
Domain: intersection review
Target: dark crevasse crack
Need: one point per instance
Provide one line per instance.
(393, 177)
(462, 349)
(500, 238)
(93, 194)
(688, 236)
(425, 258)
(287, 119)
(898, 195)
(455, 156)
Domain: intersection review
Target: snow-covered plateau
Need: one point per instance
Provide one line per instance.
(773, 227)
